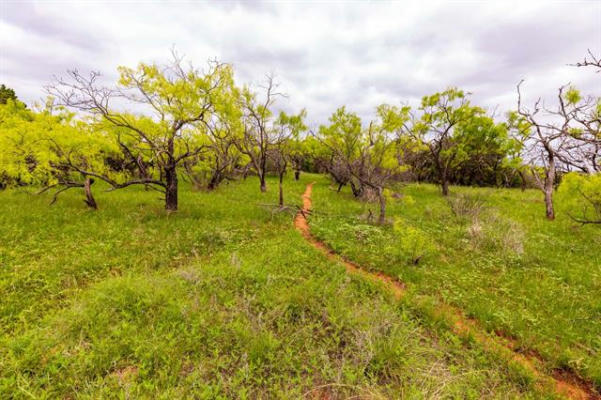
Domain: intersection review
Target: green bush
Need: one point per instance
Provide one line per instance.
(414, 242)
(580, 194)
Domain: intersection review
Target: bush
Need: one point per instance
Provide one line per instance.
(464, 205)
(414, 242)
(581, 195)
(495, 232)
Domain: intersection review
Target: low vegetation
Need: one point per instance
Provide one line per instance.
(225, 299)
(210, 292)
(504, 265)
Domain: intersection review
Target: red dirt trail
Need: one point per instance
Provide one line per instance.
(565, 383)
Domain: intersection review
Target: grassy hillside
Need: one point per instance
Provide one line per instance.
(224, 299)
(490, 252)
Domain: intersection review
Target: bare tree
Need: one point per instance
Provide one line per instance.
(257, 137)
(548, 143)
(590, 61)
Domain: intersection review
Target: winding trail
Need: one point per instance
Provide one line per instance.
(564, 382)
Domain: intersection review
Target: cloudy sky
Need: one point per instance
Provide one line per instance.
(324, 54)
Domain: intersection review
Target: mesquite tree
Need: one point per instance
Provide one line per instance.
(263, 131)
(40, 147)
(343, 138)
(441, 117)
(287, 129)
(369, 154)
(561, 137)
(175, 102)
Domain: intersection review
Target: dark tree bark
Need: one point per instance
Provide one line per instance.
(297, 174)
(444, 181)
(281, 176)
(171, 201)
(90, 201)
(215, 180)
(262, 181)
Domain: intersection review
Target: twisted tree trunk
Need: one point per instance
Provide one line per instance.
(87, 187)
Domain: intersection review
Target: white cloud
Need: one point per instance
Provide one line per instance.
(324, 54)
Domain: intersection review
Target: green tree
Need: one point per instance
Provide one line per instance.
(265, 133)
(50, 149)
(438, 126)
(343, 139)
(6, 94)
(368, 155)
(176, 102)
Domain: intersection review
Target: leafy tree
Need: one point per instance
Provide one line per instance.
(209, 169)
(286, 133)
(177, 103)
(6, 94)
(489, 153)
(442, 115)
(342, 137)
(265, 134)
(49, 149)
(369, 155)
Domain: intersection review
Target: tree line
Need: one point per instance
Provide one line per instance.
(160, 124)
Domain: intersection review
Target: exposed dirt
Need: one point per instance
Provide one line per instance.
(565, 383)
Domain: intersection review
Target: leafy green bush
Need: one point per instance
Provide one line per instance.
(414, 242)
(580, 194)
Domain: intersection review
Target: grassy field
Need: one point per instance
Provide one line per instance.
(490, 252)
(225, 299)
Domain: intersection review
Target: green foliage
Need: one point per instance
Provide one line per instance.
(581, 196)
(413, 241)
(221, 300)
(495, 258)
(344, 134)
(41, 148)
(572, 96)
(7, 94)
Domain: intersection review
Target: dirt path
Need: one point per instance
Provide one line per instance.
(565, 383)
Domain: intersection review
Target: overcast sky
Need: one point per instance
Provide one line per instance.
(324, 54)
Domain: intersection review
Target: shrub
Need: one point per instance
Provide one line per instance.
(581, 196)
(464, 205)
(414, 242)
(495, 232)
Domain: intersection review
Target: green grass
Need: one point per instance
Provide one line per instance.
(498, 259)
(223, 299)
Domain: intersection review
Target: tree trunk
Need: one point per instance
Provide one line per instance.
(215, 181)
(445, 186)
(550, 212)
(263, 184)
(171, 189)
(522, 180)
(382, 198)
(297, 174)
(357, 190)
(444, 179)
(281, 190)
(340, 185)
(87, 186)
(548, 189)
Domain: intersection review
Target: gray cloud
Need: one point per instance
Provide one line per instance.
(324, 54)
